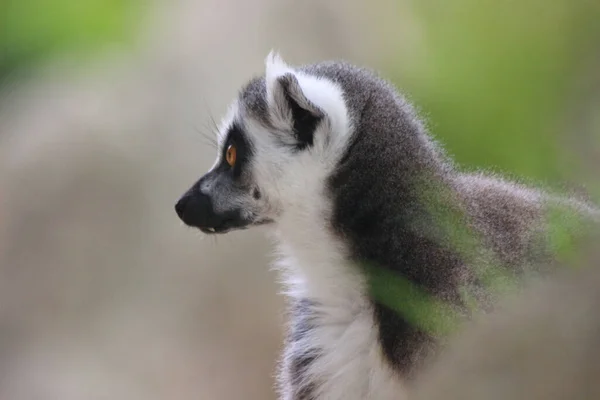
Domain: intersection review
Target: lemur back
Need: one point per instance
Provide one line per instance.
(335, 162)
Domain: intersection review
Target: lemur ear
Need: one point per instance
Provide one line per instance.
(289, 107)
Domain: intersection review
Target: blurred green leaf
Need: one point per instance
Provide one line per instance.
(416, 306)
(32, 30)
(494, 76)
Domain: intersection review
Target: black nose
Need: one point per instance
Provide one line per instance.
(195, 209)
(180, 207)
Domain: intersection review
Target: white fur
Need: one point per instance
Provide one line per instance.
(226, 122)
(313, 263)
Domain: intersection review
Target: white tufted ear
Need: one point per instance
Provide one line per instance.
(286, 98)
(311, 107)
(275, 67)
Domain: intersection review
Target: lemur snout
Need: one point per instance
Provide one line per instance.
(197, 209)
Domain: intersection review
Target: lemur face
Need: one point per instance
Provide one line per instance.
(277, 143)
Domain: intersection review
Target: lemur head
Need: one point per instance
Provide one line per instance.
(285, 129)
(287, 132)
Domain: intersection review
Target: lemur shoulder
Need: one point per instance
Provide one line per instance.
(338, 167)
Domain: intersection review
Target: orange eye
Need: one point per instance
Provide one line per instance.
(231, 155)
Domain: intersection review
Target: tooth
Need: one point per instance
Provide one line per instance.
(211, 229)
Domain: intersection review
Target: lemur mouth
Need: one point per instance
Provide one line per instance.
(220, 229)
(232, 225)
(225, 226)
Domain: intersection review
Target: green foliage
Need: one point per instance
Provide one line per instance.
(33, 30)
(494, 77)
(566, 227)
(567, 230)
(416, 306)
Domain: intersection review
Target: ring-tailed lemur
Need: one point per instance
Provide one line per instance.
(335, 161)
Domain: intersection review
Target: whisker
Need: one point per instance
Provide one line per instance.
(209, 113)
(214, 123)
(206, 138)
(209, 139)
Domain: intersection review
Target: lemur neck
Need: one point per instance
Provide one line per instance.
(315, 263)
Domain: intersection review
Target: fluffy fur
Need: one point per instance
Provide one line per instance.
(342, 171)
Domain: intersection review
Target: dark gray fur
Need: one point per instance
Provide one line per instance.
(388, 190)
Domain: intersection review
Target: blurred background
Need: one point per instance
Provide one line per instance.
(103, 292)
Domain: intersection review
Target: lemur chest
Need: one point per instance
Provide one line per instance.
(333, 350)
